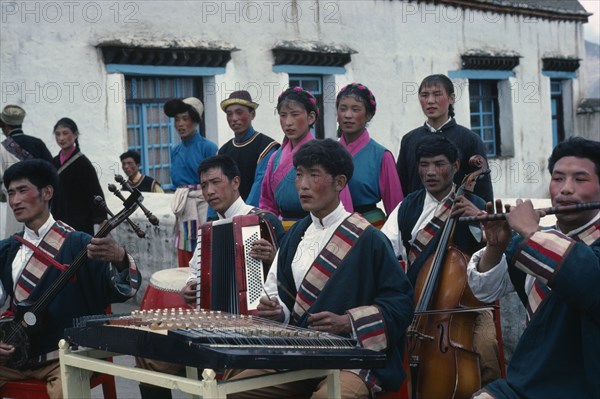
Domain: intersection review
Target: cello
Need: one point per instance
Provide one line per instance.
(443, 363)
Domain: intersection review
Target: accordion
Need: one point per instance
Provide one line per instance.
(231, 280)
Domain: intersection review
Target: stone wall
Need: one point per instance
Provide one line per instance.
(52, 66)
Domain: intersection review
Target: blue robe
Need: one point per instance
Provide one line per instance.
(558, 355)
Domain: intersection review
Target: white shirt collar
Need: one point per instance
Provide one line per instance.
(582, 228)
(239, 207)
(430, 199)
(31, 236)
(433, 130)
(334, 218)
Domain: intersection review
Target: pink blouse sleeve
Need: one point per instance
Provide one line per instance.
(267, 192)
(346, 199)
(389, 183)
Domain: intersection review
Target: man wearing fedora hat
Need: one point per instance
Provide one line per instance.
(15, 148)
(188, 204)
(250, 149)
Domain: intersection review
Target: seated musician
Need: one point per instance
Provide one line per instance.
(220, 182)
(366, 296)
(438, 162)
(31, 263)
(556, 273)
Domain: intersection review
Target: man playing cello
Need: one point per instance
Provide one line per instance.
(415, 227)
(556, 273)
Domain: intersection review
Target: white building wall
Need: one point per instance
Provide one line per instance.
(50, 64)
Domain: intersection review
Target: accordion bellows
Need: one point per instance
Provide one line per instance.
(231, 280)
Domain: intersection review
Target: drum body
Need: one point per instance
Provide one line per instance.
(164, 290)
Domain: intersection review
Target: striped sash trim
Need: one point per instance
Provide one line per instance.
(134, 275)
(37, 267)
(370, 330)
(370, 327)
(376, 217)
(590, 235)
(426, 234)
(327, 262)
(16, 150)
(543, 254)
(542, 257)
(536, 296)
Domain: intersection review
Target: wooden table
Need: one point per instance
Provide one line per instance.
(76, 367)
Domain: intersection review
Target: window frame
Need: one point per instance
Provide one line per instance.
(481, 113)
(137, 105)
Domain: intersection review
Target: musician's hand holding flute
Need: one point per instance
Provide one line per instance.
(522, 218)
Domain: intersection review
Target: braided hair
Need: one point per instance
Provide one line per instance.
(443, 81)
(362, 93)
(301, 96)
(71, 125)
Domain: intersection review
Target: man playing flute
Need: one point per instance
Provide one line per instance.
(556, 273)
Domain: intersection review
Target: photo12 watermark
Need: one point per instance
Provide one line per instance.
(54, 12)
(326, 12)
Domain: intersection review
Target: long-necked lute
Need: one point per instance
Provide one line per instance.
(28, 316)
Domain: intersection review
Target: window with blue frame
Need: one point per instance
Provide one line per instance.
(149, 130)
(556, 103)
(314, 84)
(485, 113)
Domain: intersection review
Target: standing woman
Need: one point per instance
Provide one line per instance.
(436, 95)
(298, 112)
(73, 201)
(375, 177)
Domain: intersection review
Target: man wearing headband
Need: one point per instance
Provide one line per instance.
(250, 149)
(188, 203)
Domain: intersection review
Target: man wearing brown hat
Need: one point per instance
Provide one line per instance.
(15, 148)
(188, 203)
(250, 149)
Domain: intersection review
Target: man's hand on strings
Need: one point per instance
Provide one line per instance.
(190, 292)
(263, 250)
(464, 207)
(108, 250)
(270, 308)
(6, 352)
(330, 323)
